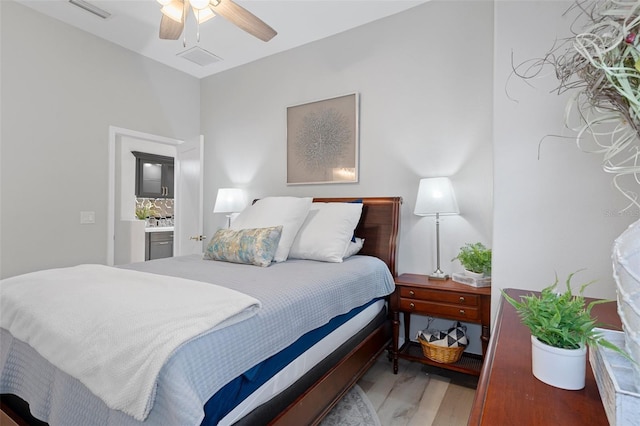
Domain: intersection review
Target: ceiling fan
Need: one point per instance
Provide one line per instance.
(174, 14)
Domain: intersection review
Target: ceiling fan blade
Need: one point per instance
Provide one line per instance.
(244, 19)
(170, 29)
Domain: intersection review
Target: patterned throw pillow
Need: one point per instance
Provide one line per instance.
(255, 246)
(454, 337)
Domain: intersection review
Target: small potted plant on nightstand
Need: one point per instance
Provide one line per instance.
(475, 259)
(561, 327)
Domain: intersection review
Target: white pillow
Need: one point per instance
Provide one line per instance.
(289, 212)
(354, 247)
(326, 232)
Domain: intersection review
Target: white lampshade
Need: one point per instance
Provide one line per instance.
(229, 200)
(435, 195)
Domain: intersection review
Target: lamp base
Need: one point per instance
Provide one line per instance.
(438, 277)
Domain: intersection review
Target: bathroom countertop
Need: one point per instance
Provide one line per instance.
(158, 228)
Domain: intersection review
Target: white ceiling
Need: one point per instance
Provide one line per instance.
(134, 24)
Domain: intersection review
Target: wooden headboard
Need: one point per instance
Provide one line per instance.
(378, 226)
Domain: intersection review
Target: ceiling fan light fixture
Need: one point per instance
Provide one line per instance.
(164, 2)
(199, 4)
(172, 23)
(173, 10)
(203, 15)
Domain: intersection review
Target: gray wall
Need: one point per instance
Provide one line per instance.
(423, 112)
(558, 213)
(61, 90)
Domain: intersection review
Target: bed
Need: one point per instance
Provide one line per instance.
(329, 359)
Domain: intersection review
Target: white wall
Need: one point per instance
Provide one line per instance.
(61, 90)
(422, 113)
(556, 214)
(425, 110)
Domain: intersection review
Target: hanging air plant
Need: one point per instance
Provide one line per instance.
(600, 65)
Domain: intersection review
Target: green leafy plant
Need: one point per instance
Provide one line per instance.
(475, 258)
(144, 212)
(561, 320)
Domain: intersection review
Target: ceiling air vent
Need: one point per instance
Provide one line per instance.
(199, 56)
(90, 8)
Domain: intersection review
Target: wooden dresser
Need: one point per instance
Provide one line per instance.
(509, 394)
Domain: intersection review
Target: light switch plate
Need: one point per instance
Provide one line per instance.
(87, 217)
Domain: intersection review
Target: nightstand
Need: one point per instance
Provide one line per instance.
(415, 294)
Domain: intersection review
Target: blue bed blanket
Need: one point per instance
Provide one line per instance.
(297, 296)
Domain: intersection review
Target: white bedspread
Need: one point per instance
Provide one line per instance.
(128, 325)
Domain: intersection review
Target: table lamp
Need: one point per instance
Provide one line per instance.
(435, 198)
(229, 200)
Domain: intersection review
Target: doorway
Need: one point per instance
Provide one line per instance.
(121, 203)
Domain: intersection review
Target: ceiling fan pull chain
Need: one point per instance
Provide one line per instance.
(198, 27)
(185, 8)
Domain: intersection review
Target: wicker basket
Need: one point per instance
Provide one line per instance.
(441, 354)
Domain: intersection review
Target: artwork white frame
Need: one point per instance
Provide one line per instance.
(323, 141)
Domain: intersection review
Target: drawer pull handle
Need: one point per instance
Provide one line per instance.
(462, 299)
(412, 293)
(412, 305)
(462, 312)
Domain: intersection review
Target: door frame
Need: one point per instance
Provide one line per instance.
(115, 134)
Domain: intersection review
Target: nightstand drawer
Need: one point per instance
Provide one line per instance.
(440, 296)
(461, 312)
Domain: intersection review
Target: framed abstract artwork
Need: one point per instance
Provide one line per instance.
(322, 141)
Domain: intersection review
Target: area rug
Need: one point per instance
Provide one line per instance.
(354, 409)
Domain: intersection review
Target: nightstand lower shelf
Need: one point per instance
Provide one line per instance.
(468, 363)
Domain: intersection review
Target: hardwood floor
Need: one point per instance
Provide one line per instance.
(418, 394)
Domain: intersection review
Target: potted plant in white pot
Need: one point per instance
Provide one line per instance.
(561, 329)
(475, 258)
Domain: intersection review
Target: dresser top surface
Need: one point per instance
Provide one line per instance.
(508, 392)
